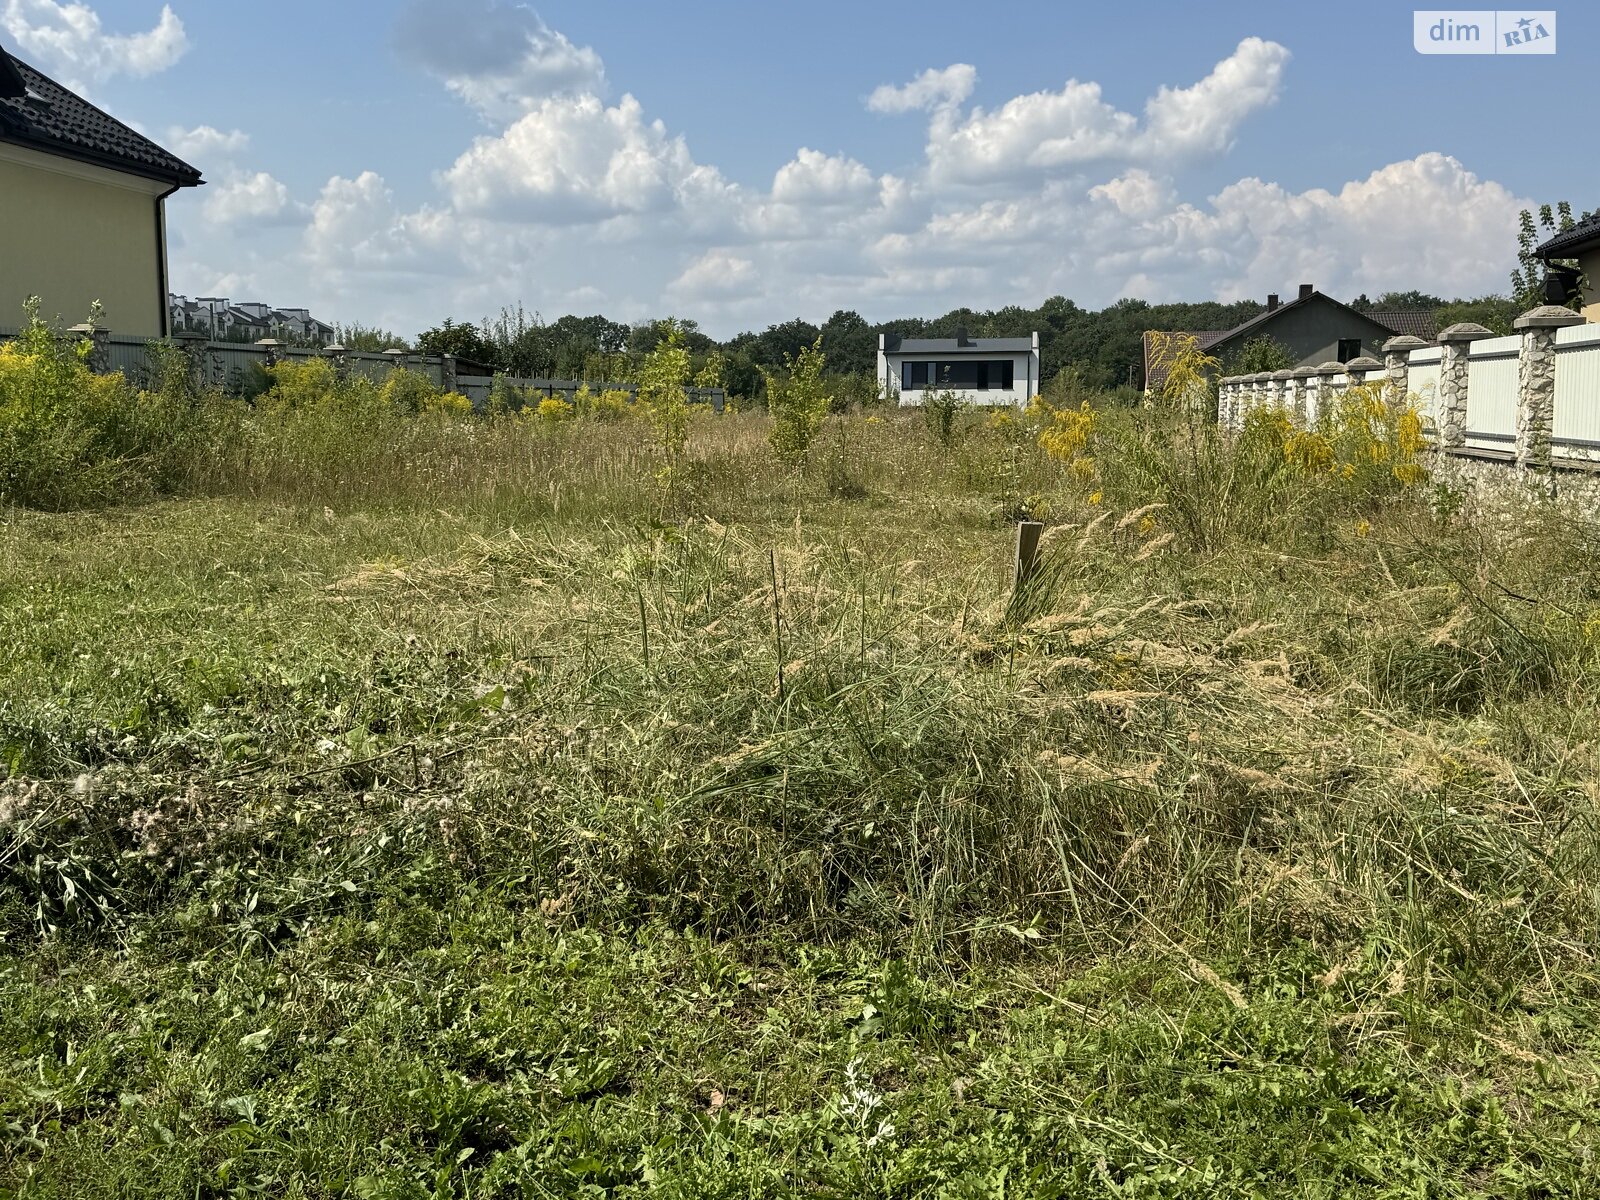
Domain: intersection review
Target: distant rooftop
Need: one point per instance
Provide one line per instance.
(957, 345)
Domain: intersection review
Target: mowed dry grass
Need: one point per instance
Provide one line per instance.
(538, 835)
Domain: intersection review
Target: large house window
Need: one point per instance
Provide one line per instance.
(1349, 348)
(966, 374)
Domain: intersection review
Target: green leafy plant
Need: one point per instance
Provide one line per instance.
(1527, 277)
(664, 401)
(1262, 353)
(942, 411)
(798, 400)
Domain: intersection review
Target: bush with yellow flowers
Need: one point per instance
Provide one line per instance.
(70, 437)
(448, 404)
(553, 408)
(1365, 445)
(606, 406)
(409, 391)
(1064, 435)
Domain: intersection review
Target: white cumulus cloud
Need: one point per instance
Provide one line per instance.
(204, 142)
(933, 89)
(248, 197)
(500, 58)
(814, 177)
(573, 160)
(1203, 118)
(716, 273)
(1075, 126)
(1135, 193)
(70, 40)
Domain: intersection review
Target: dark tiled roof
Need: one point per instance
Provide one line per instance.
(46, 116)
(1272, 314)
(1581, 236)
(1020, 345)
(1418, 322)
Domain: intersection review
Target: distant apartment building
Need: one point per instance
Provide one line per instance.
(226, 320)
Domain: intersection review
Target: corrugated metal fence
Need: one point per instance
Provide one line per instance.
(1422, 380)
(1492, 393)
(228, 367)
(1575, 427)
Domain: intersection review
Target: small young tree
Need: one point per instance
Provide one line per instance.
(1258, 354)
(662, 377)
(941, 411)
(1527, 277)
(710, 373)
(798, 402)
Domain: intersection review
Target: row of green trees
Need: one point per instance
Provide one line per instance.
(1104, 346)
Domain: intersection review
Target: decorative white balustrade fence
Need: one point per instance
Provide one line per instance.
(1532, 397)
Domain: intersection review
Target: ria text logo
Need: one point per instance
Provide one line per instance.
(1483, 31)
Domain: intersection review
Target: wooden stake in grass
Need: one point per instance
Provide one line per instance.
(777, 617)
(1027, 560)
(644, 629)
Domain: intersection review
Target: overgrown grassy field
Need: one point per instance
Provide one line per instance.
(463, 816)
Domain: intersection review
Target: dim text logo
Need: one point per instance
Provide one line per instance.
(1483, 31)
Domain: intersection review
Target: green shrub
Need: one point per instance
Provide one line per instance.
(664, 400)
(409, 391)
(799, 403)
(941, 411)
(69, 437)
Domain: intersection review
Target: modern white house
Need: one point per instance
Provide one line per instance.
(989, 371)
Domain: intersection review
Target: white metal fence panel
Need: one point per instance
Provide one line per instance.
(1422, 381)
(1492, 394)
(1575, 431)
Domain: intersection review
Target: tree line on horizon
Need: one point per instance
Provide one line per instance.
(1106, 346)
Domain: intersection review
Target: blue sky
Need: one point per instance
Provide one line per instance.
(396, 163)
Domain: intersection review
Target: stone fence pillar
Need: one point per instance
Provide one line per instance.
(449, 380)
(1255, 396)
(1305, 381)
(1280, 384)
(340, 356)
(1357, 369)
(99, 360)
(1325, 393)
(1397, 365)
(1455, 346)
(1224, 394)
(271, 346)
(1536, 381)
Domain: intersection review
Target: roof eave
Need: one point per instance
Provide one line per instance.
(111, 162)
(1552, 248)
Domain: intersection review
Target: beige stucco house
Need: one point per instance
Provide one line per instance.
(1580, 243)
(82, 208)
